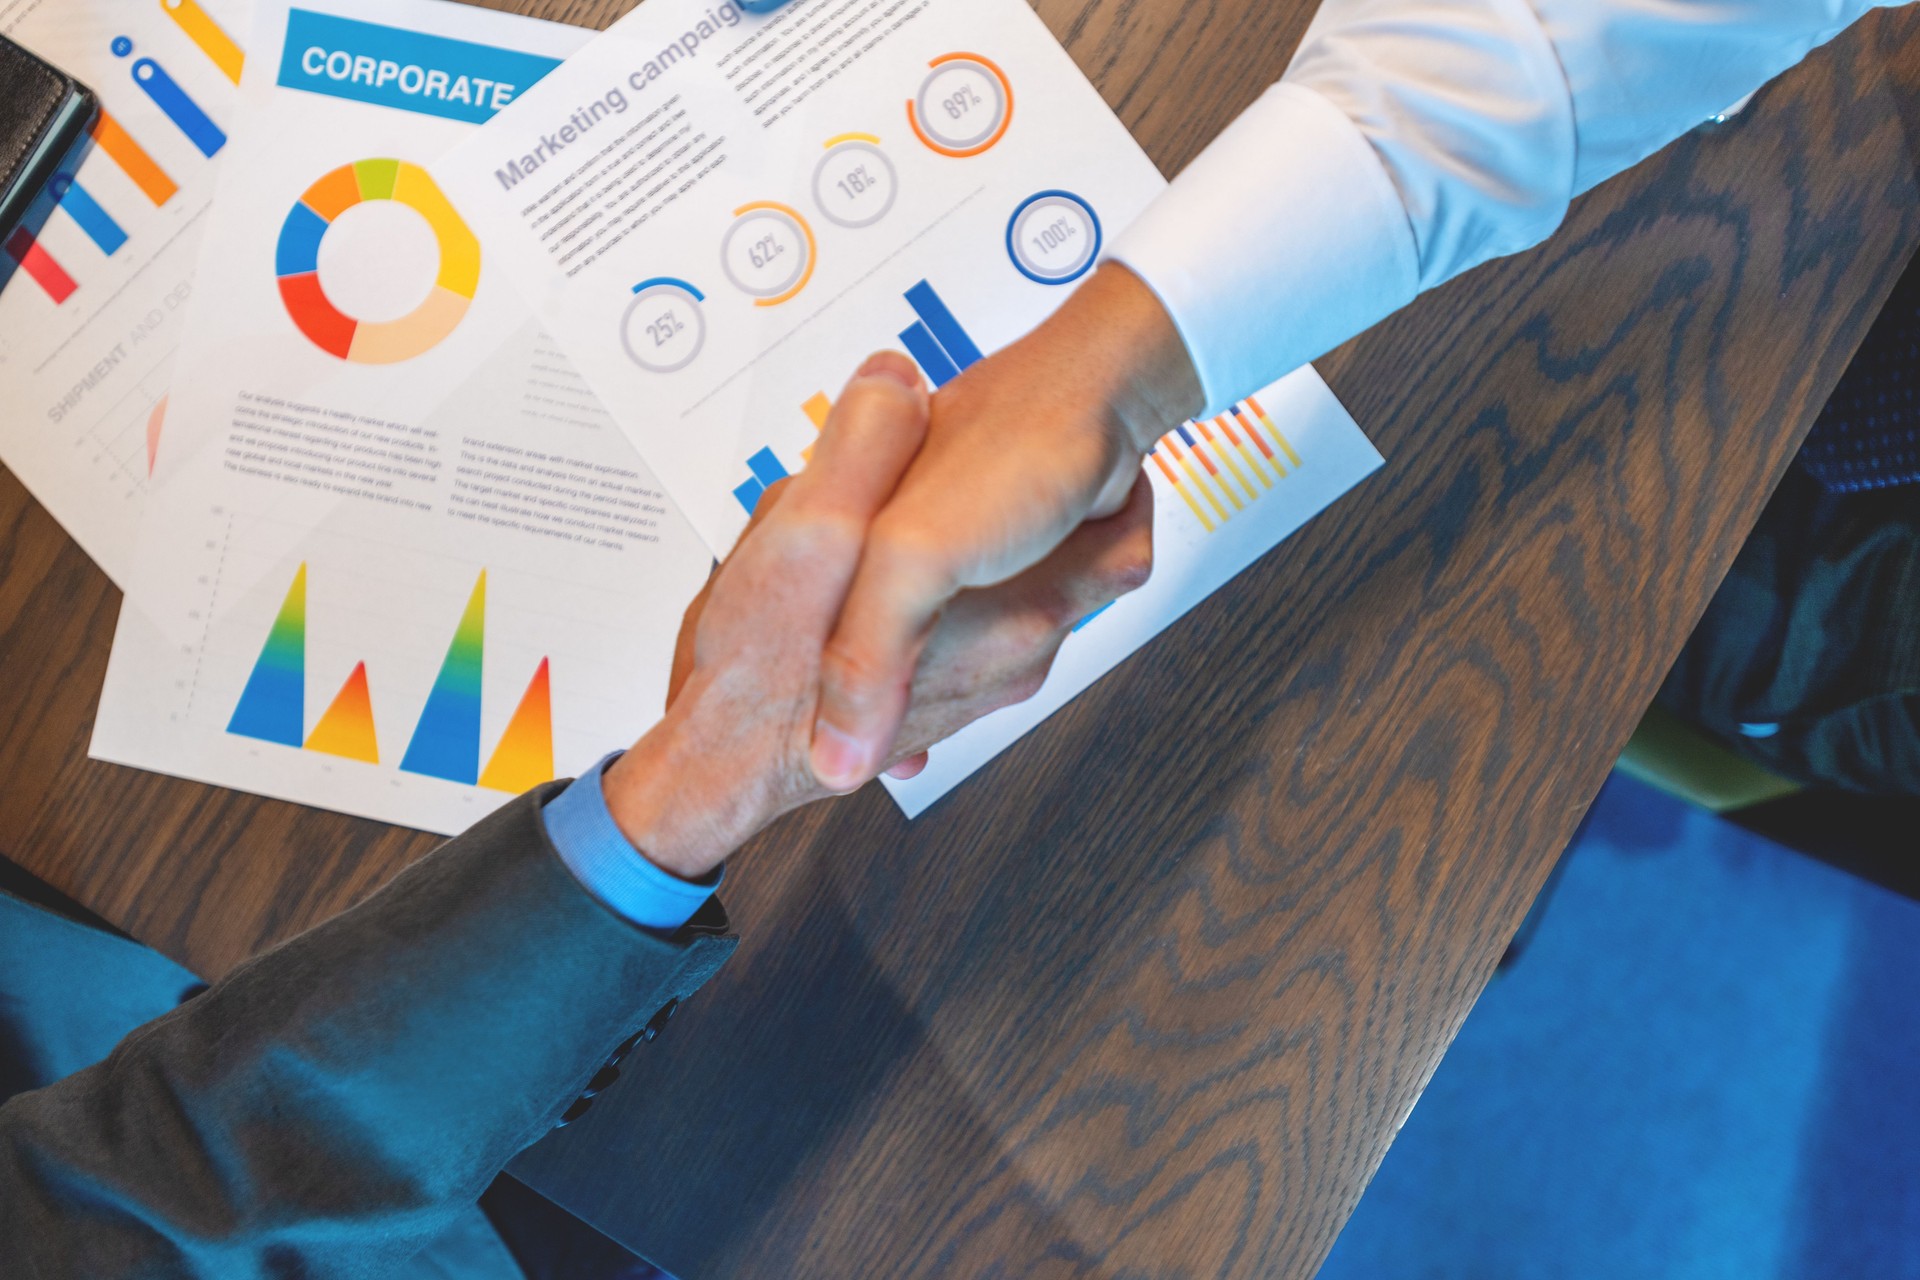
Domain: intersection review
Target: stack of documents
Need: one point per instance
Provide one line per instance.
(408, 363)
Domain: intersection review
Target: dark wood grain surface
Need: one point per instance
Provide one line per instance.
(1151, 995)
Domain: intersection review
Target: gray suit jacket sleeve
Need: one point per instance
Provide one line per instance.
(329, 1108)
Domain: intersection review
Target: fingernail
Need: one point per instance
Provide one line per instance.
(893, 365)
(839, 759)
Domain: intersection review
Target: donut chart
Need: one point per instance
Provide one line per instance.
(297, 264)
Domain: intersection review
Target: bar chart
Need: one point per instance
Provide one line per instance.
(1220, 468)
(110, 137)
(446, 740)
(938, 343)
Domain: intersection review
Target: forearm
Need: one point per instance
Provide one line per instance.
(338, 1100)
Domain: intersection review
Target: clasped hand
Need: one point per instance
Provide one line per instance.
(922, 572)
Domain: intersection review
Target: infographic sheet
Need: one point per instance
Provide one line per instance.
(396, 559)
(719, 216)
(94, 287)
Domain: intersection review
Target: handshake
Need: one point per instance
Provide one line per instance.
(921, 573)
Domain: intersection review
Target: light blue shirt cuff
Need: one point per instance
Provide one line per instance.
(607, 865)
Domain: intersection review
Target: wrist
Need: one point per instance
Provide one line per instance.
(655, 798)
(1146, 380)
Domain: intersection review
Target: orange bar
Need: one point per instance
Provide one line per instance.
(1193, 503)
(1255, 436)
(1261, 440)
(134, 161)
(1274, 427)
(1233, 437)
(1227, 458)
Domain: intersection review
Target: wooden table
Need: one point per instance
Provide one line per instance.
(1152, 995)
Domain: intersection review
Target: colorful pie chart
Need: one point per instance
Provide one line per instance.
(297, 263)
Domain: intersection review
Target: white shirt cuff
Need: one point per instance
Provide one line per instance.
(1282, 240)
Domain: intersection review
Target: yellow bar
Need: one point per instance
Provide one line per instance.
(1277, 434)
(1253, 459)
(1219, 480)
(1200, 484)
(1192, 504)
(1253, 494)
(205, 32)
(817, 410)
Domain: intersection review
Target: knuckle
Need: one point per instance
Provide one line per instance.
(870, 400)
(1129, 572)
(1025, 686)
(903, 545)
(1057, 608)
(816, 533)
(1038, 631)
(850, 671)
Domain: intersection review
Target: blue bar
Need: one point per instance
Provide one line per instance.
(298, 252)
(749, 495)
(1188, 437)
(85, 210)
(766, 468)
(182, 110)
(931, 355)
(1081, 625)
(945, 329)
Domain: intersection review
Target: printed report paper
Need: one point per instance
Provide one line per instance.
(719, 216)
(396, 560)
(96, 284)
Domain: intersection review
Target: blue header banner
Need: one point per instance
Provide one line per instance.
(405, 70)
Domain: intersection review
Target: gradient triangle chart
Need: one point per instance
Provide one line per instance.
(346, 729)
(446, 742)
(524, 758)
(273, 707)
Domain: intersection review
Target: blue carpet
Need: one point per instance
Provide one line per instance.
(1705, 1066)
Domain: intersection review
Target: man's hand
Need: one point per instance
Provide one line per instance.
(1023, 450)
(733, 751)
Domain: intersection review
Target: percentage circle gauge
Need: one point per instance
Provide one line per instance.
(768, 253)
(1054, 237)
(665, 327)
(836, 194)
(964, 107)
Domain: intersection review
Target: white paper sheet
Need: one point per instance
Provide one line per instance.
(88, 334)
(394, 547)
(719, 216)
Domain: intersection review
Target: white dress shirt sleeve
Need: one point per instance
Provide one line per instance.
(1411, 140)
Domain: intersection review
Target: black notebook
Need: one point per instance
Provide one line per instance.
(44, 116)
